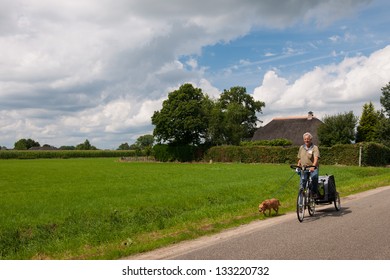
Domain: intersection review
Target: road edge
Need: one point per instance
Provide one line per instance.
(171, 251)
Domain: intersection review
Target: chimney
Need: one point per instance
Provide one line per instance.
(310, 115)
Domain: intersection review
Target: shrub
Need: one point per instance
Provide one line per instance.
(375, 154)
(182, 153)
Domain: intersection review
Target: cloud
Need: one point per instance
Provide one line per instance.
(72, 70)
(329, 89)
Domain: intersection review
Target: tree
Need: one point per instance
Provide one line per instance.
(25, 144)
(70, 148)
(215, 132)
(367, 130)
(85, 146)
(181, 120)
(124, 146)
(145, 141)
(337, 129)
(383, 131)
(385, 99)
(384, 123)
(238, 114)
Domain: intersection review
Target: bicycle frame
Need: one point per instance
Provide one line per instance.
(304, 199)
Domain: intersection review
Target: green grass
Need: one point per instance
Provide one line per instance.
(106, 209)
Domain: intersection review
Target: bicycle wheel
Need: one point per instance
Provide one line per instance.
(337, 203)
(311, 204)
(301, 205)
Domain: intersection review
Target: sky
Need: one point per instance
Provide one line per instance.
(97, 70)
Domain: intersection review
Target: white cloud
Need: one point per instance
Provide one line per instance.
(72, 70)
(328, 89)
(334, 38)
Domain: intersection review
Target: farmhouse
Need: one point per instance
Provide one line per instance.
(291, 128)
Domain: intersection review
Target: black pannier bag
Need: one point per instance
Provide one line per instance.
(326, 187)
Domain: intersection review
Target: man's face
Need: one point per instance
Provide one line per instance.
(307, 141)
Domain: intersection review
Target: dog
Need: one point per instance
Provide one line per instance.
(269, 204)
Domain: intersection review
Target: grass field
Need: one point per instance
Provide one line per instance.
(106, 209)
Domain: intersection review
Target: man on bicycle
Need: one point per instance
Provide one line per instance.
(309, 155)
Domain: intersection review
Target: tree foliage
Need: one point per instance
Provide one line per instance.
(85, 146)
(145, 141)
(384, 123)
(385, 99)
(367, 130)
(25, 144)
(238, 112)
(337, 129)
(181, 120)
(124, 147)
(190, 117)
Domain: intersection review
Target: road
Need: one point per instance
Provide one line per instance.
(359, 231)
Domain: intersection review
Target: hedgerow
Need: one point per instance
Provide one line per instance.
(372, 154)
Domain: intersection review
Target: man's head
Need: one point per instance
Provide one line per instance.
(307, 138)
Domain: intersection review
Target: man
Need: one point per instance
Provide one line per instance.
(309, 155)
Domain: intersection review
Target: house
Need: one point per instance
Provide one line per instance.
(291, 128)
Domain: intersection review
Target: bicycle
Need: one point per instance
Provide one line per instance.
(305, 197)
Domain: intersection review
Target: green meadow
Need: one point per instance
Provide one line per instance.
(102, 208)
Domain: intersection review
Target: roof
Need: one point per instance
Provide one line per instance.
(291, 128)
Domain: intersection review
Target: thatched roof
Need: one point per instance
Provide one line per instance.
(291, 128)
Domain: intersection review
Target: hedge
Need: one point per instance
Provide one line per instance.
(375, 154)
(182, 153)
(372, 154)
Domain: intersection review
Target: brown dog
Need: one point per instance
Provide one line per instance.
(269, 204)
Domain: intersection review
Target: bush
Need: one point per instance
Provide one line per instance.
(181, 153)
(375, 154)
(161, 153)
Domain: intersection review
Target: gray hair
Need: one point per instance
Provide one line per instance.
(308, 134)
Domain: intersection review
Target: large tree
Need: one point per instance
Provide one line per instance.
(238, 113)
(337, 129)
(182, 119)
(385, 99)
(25, 144)
(367, 129)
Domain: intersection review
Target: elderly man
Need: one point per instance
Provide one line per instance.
(309, 155)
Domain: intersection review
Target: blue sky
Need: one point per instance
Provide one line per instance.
(97, 70)
(297, 49)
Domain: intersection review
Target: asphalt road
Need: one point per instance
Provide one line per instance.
(359, 231)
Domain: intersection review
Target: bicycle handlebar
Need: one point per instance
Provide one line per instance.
(304, 168)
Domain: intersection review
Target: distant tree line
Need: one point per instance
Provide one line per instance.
(27, 144)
